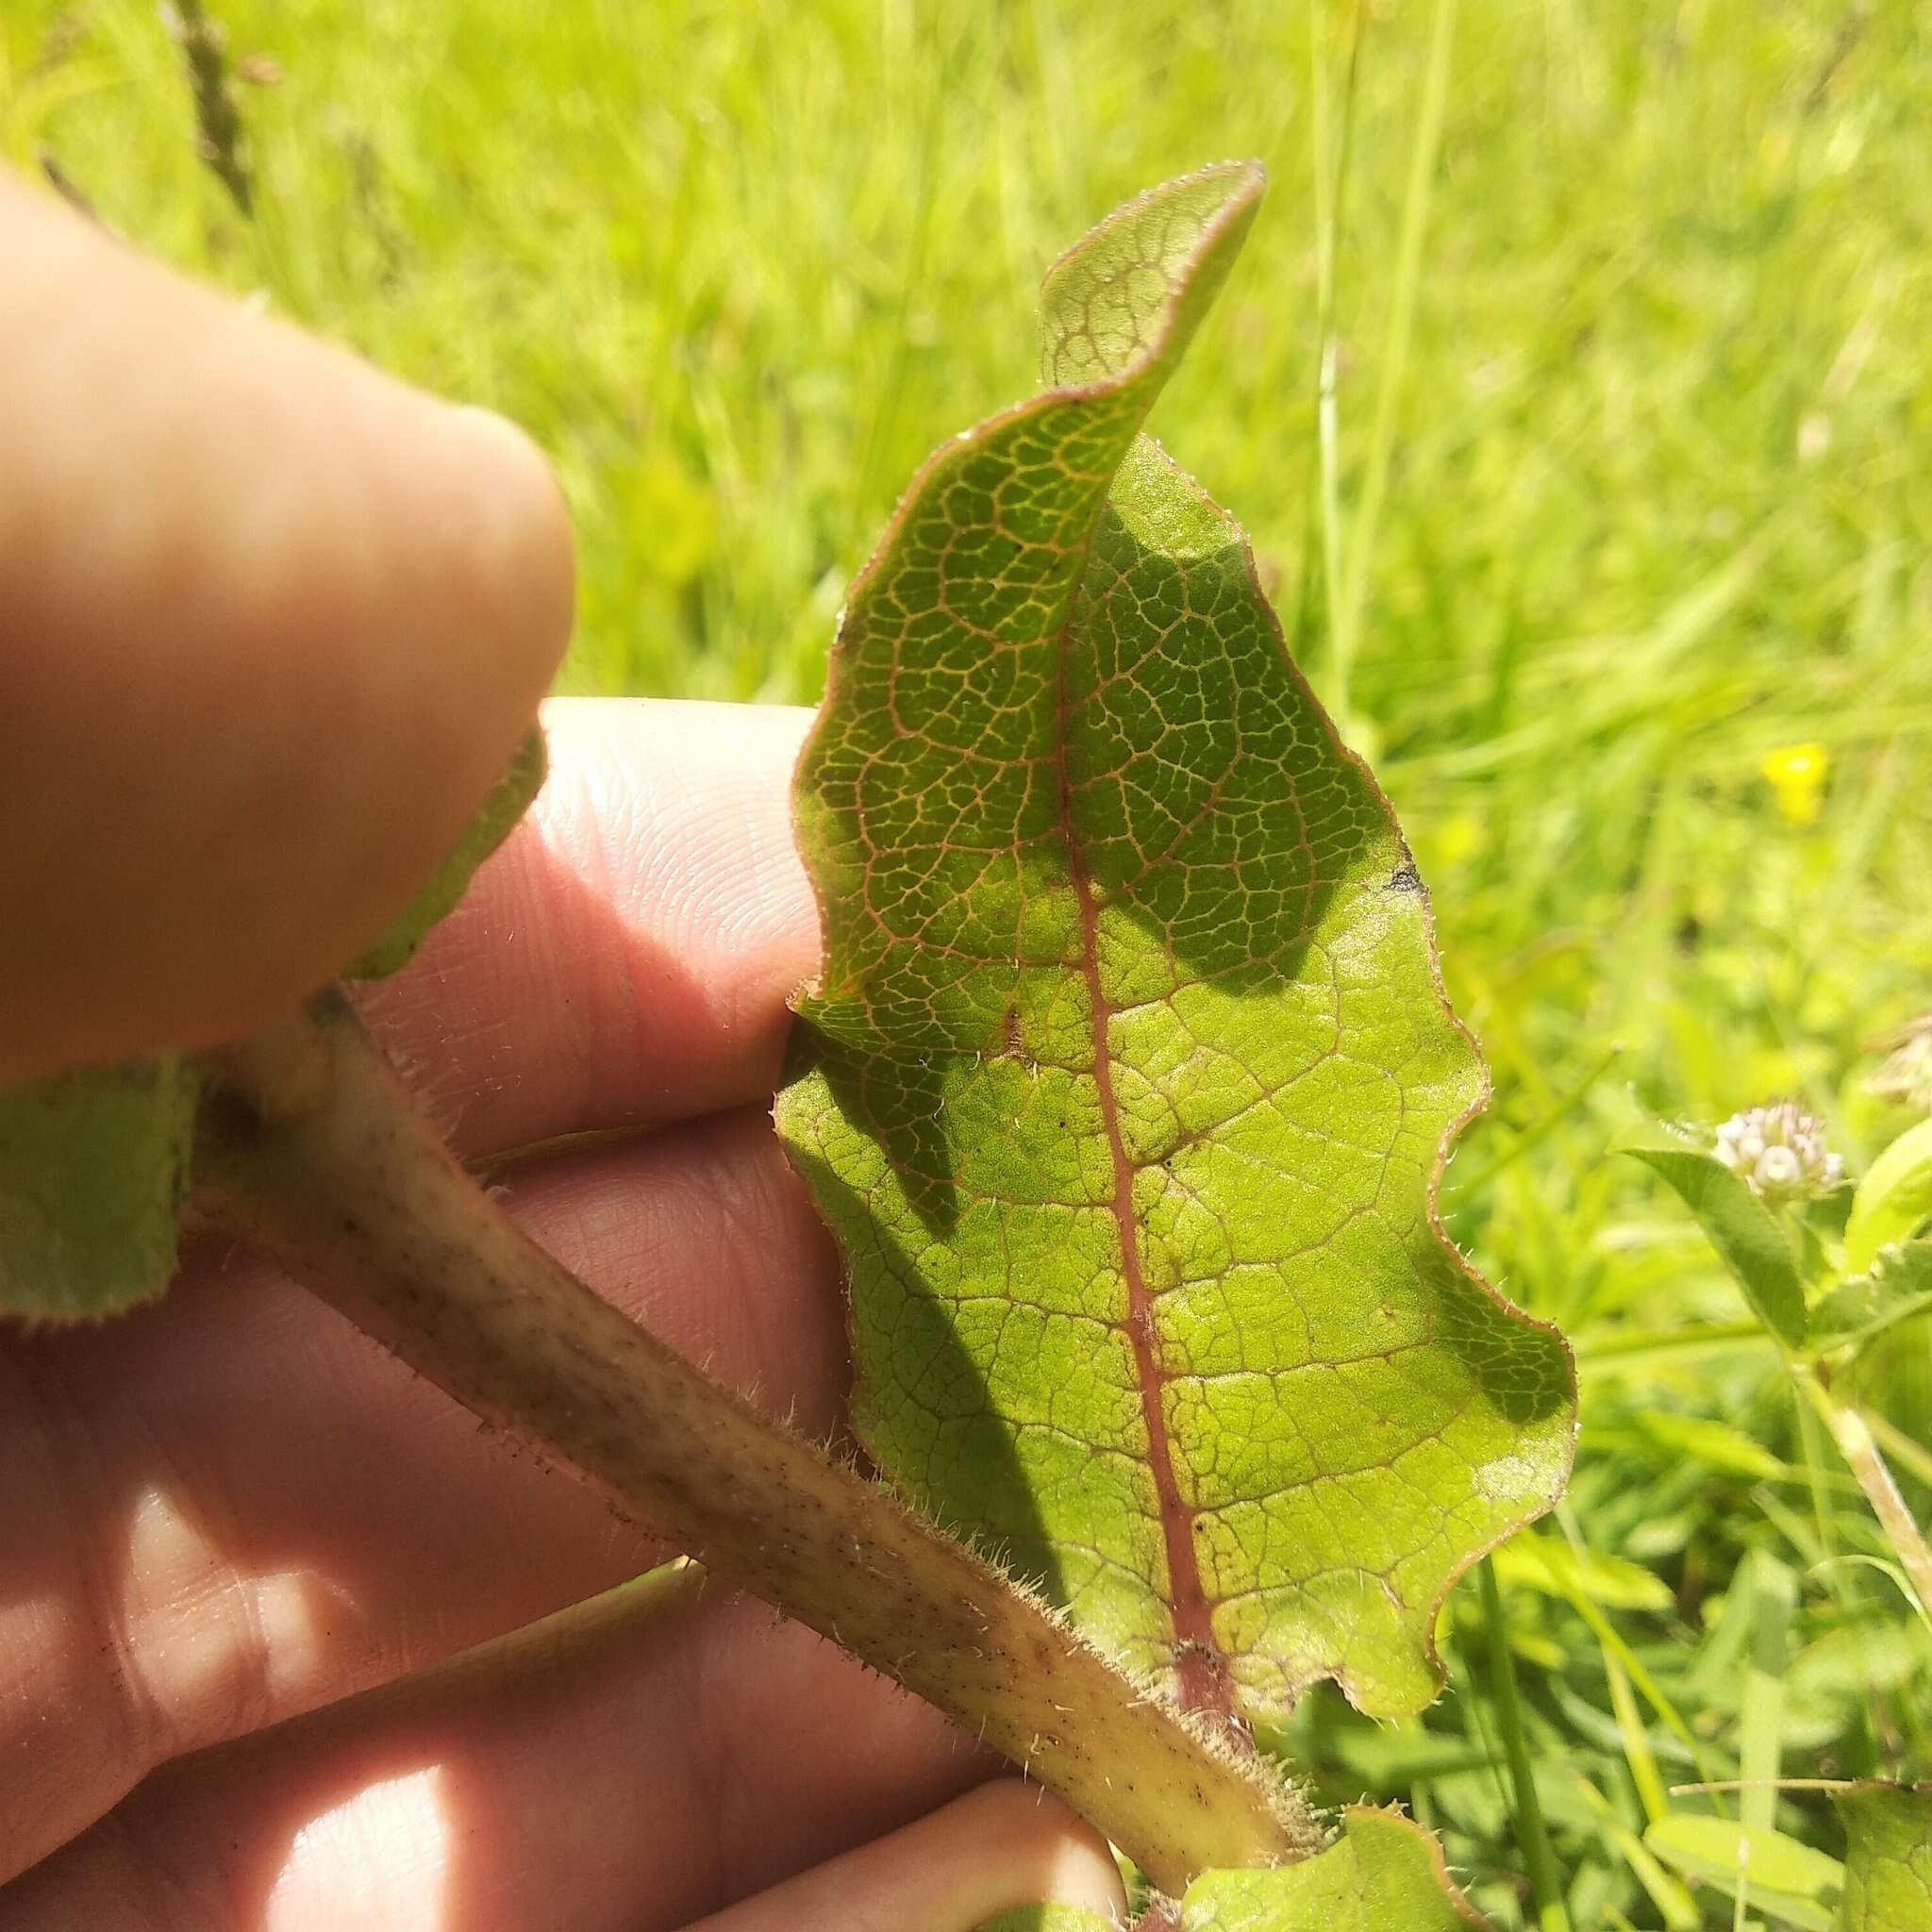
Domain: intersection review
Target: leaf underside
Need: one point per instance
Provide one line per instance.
(1887, 1858)
(93, 1164)
(1128, 1076)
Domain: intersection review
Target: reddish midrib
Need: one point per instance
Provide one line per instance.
(1200, 1665)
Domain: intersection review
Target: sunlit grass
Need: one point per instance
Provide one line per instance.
(1653, 510)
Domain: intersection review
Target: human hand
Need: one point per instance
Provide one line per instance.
(270, 624)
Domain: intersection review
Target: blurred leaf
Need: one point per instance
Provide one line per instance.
(1898, 1286)
(1392, 1757)
(674, 522)
(1674, 1902)
(1714, 1443)
(1551, 1566)
(1744, 1231)
(1773, 1595)
(1893, 1199)
(1837, 1674)
(1786, 1881)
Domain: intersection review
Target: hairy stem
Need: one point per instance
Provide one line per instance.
(317, 1154)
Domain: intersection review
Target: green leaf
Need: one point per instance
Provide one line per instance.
(1887, 1858)
(1898, 1286)
(1549, 1566)
(1893, 1199)
(1714, 1442)
(494, 820)
(1785, 1880)
(1386, 1874)
(1129, 1076)
(1744, 1231)
(93, 1166)
(1049, 1918)
(1773, 1598)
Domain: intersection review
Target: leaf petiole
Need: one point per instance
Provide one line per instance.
(314, 1150)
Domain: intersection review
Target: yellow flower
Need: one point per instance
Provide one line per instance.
(1796, 772)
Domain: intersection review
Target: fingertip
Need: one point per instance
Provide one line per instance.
(1005, 1845)
(521, 549)
(1040, 1850)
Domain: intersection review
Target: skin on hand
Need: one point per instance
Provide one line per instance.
(272, 622)
(935, 1874)
(271, 617)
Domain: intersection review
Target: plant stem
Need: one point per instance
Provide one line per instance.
(1551, 1915)
(1861, 1452)
(218, 125)
(317, 1152)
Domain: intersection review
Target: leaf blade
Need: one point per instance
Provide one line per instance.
(1742, 1230)
(1887, 1856)
(1897, 1288)
(94, 1168)
(1893, 1199)
(1782, 1877)
(1385, 1874)
(1099, 886)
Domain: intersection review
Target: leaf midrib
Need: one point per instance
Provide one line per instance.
(1202, 1674)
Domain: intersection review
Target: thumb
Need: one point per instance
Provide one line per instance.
(271, 624)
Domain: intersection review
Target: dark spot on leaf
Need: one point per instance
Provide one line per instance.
(1405, 878)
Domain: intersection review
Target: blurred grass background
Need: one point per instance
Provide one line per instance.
(1656, 509)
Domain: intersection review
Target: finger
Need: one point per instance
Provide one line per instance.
(273, 625)
(226, 1493)
(232, 1506)
(601, 1771)
(629, 956)
(1005, 1845)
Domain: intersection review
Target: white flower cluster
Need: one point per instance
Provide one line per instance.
(1780, 1150)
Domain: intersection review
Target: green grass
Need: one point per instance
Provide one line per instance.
(1655, 504)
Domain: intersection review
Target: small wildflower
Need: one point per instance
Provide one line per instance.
(1796, 773)
(1907, 1074)
(1780, 1152)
